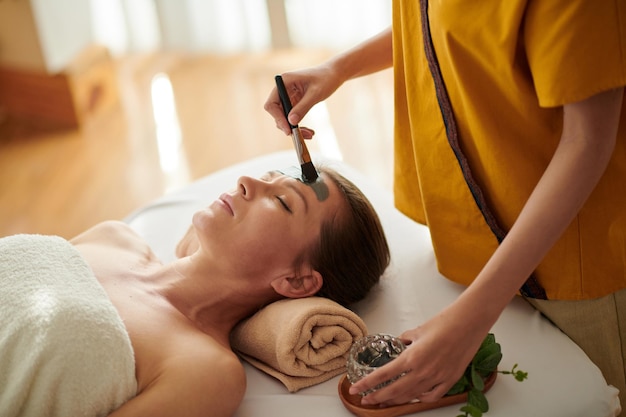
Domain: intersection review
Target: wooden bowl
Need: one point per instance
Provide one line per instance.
(353, 402)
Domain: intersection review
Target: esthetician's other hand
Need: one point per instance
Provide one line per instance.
(305, 88)
(437, 355)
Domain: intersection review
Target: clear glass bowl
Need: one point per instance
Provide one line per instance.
(371, 352)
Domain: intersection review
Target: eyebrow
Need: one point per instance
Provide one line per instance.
(292, 185)
(300, 194)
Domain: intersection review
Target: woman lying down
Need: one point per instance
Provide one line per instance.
(153, 339)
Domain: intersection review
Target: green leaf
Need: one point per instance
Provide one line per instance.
(520, 376)
(461, 386)
(471, 410)
(489, 363)
(490, 339)
(477, 379)
(485, 362)
(486, 350)
(477, 399)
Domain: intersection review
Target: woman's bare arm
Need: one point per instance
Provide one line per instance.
(442, 347)
(191, 386)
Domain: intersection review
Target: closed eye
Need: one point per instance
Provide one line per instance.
(282, 202)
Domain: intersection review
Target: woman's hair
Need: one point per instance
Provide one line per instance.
(352, 252)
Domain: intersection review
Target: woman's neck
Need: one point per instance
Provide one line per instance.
(213, 301)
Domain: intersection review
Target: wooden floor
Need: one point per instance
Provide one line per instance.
(62, 183)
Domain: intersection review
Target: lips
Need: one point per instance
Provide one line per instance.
(226, 201)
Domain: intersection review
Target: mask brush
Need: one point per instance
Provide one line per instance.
(309, 173)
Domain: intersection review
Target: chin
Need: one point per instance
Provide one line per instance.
(200, 219)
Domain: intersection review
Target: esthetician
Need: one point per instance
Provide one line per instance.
(510, 144)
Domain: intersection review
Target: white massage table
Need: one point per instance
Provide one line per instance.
(562, 381)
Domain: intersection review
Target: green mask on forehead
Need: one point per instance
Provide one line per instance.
(318, 186)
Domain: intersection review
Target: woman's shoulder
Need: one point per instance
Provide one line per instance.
(203, 379)
(210, 375)
(111, 233)
(107, 229)
(206, 354)
(211, 363)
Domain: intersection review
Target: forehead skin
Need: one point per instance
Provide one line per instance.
(333, 201)
(318, 186)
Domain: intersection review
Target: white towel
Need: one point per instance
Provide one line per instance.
(64, 350)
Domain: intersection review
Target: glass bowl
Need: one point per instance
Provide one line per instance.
(370, 353)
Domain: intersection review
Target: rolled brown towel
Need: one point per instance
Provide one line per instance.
(301, 342)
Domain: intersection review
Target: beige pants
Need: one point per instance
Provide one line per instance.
(598, 326)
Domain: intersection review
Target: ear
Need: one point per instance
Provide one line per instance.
(298, 286)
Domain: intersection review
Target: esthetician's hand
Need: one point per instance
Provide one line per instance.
(305, 88)
(308, 87)
(435, 359)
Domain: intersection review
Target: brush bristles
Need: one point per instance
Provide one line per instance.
(309, 172)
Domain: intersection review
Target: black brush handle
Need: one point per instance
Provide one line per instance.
(309, 173)
(284, 98)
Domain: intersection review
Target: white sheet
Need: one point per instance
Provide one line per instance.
(562, 381)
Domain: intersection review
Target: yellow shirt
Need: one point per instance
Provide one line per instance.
(507, 68)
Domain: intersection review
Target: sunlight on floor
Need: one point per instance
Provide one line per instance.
(172, 157)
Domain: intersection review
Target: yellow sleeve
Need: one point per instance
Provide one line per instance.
(575, 48)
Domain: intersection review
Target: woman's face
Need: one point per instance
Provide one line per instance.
(265, 223)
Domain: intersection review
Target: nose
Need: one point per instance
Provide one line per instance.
(248, 186)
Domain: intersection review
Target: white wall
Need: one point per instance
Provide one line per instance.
(64, 28)
(335, 24)
(219, 26)
(59, 29)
